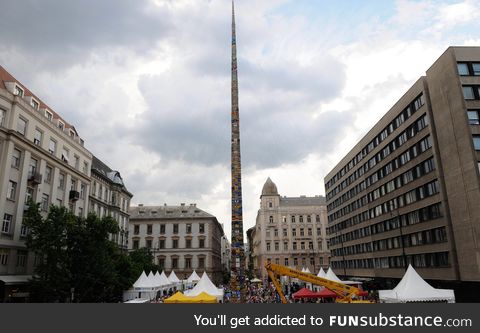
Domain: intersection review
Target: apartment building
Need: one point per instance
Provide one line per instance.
(109, 197)
(181, 238)
(409, 191)
(42, 158)
(289, 231)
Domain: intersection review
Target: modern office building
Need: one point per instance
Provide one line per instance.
(409, 191)
(42, 158)
(181, 238)
(289, 231)
(110, 197)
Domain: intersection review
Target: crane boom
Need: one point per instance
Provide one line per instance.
(344, 291)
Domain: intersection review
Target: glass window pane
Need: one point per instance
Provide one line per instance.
(476, 142)
(476, 68)
(468, 93)
(462, 68)
(473, 117)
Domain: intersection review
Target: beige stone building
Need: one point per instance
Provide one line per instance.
(109, 197)
(43, 158)
(182, 238)
(289, 231)
(409, 191)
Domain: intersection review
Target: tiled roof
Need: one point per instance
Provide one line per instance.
(7, 77)
(167, 212)
(302, 201)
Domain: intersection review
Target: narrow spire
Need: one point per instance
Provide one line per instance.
(238, 254)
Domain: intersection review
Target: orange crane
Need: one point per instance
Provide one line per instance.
(346, 293)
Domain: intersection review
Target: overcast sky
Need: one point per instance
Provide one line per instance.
(147, 83)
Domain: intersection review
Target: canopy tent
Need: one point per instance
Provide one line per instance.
(412, 288)
(321, 273)
(173, 278)
(307, 270)
(193, 277)
(144, 282)
(326, 293)
(330, 275)
(305, 293)
(200, 298)
(207, 286)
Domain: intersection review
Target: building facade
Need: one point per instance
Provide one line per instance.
(181, 238)
(110, 197)
(41, 158)
(409, 191)
(226, 252)
(289, 231)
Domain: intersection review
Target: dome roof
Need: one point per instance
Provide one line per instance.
(269, 188)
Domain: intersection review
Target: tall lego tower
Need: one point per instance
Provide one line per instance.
(238, 253)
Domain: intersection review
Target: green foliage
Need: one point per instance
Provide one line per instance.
(75, 252)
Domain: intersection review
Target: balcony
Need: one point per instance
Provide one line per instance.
(74, 195)
(34, 179)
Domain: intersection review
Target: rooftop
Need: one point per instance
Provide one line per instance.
(167, 212)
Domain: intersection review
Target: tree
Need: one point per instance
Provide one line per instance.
(74, 253)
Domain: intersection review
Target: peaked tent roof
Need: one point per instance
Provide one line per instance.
(321, 273)
(173, 277)
(207, 286)
(412, 288)
(307, 270)
(332, 276)
(163, 279)
(193, 277)
(141, 281)
(326, 293)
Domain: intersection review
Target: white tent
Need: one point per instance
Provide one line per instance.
(173, 278)
(307, 271)
(412, 288)
(162, 280)
(321, 273)
(193, 277)
(207, 286)
(144, 282)
(332, 276)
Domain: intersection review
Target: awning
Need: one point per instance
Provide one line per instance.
(15, 279)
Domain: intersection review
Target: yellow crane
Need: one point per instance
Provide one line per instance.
(346, 293)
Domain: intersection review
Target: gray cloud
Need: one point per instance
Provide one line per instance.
(57, 33)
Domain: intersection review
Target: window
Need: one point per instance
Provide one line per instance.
(21, 258)
(275, 232)
(463, 68)
(202, 228)
(317, 218)
(17, 155)
(45, 202)
(294, 232)
(52, 146)
(161, 244)
(136, 229)
(174, 263)
(201, 243)
(18, 91)
(312, 262)
(476, 68)
(286, 262)
(310, 245)
(73, 185)
(3, 114)
(135, 244)
(270, 205)
(285, 234)
(82, 190)
(302, 232)
(294, 245)
(175, 228)
(148, 243)
(309, 232)
(28, 195)
(61, 125)
(12, 190)
(21, 126)
(4, 257)
(61, 181)
(300, 219)
(295, 261)
(302, 245)
(32, 167)
(268, 247)
(37, 139)
(201, 262)
(149, 229)
(309, 219)
(85, 167)
(285, 246)
(277, 246)
(48, 115)
(161, 263)
(188, 262)
(319, 232)
(77, 162)
(175, 243)
(162, 228)
(35, 104)
(270, 219)
(189, 228)
(468, 92)
(293, 219)
(473, 117)
(7, 222)
(476, 142)
(188, 243)
(65, 155)
(48, 174)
